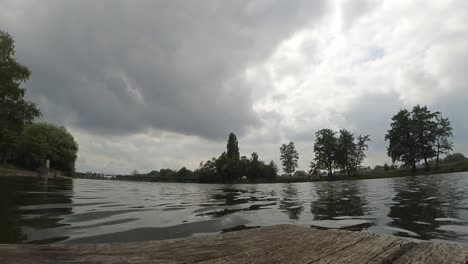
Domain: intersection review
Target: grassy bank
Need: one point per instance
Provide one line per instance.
(8, 170)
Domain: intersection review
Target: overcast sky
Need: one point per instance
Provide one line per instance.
(160, 84)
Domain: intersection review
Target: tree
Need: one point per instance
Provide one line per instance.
(359, 153)
(135, 173)
(254, 166)
(403, 140)
(345, 151)
(273, 170)
(40, 142)
(15, 111)
(386, 167)
(418, 135)
(443, 132)
(325, 149)
(454, 157)
(232, 147)
(289, 157)
(425, 129)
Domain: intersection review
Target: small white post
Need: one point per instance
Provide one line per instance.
(47, 166)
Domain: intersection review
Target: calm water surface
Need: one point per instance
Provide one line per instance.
(91, 211)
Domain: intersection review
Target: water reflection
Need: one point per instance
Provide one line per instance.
(426, 208)
(87, 211)
(340, 205)
(338, 199)
(290, 203)
(30, 204)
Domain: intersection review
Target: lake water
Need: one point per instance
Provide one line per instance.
(91, 211)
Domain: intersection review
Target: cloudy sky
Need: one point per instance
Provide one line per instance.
(160, 84)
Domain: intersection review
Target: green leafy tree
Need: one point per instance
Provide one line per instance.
(40, 142)
(273, 170)
(254, 170)
(425, 129)
(289, 157)
(345, 151)
(359, 153)
(443, 133)
(402, 139)
(386, 167)
(325, 149)
(454, 157)
(418, 135)
(15, 111)
(232, 147)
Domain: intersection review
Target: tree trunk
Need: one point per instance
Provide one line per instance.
(413, 166)
(437, 157)
(426, 164)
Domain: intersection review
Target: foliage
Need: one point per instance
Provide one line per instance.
(418, 135)
(342, 152)
(42, 141)
(402, 139)
(231, 168)
(386, 167)
(425, 129)
(289, 157)
(325, 149)
(232, 147)
(454, 157)
(443, 132)
(15, 111)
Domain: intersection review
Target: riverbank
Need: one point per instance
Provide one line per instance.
(273, 244)
(459, 166)
(8, 170)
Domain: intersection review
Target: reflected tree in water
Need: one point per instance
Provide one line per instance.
(419, 201)
(235, 200)
(289, 203)
(45, 203)
(10, 228)
(335, 199)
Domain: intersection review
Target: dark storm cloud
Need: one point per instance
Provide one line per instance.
(125, 66)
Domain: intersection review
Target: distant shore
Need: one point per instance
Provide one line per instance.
(459, 166)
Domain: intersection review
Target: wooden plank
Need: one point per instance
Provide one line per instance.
(276, 244)
(431, 252)
(329, 246)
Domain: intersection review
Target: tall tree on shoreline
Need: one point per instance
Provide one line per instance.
(443, 132)
(232, 147)
(15, 111)
(360, 152)
(325, 149)
(425, 129)
(289, 157)
(403, 139)
(418, 135)
(346, 150)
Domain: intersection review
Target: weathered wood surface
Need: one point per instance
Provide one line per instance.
(276, 244)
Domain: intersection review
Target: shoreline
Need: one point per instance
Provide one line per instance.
(291, 179)
(16, 172)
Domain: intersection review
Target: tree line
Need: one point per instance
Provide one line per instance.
(333, 151)
(23, 142)
(414, 136)
(230, 166)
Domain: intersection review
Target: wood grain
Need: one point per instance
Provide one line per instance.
(275, 244)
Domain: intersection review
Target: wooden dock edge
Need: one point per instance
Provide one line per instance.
(274, 244)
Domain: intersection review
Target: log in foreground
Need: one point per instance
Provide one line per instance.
(275, 244)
